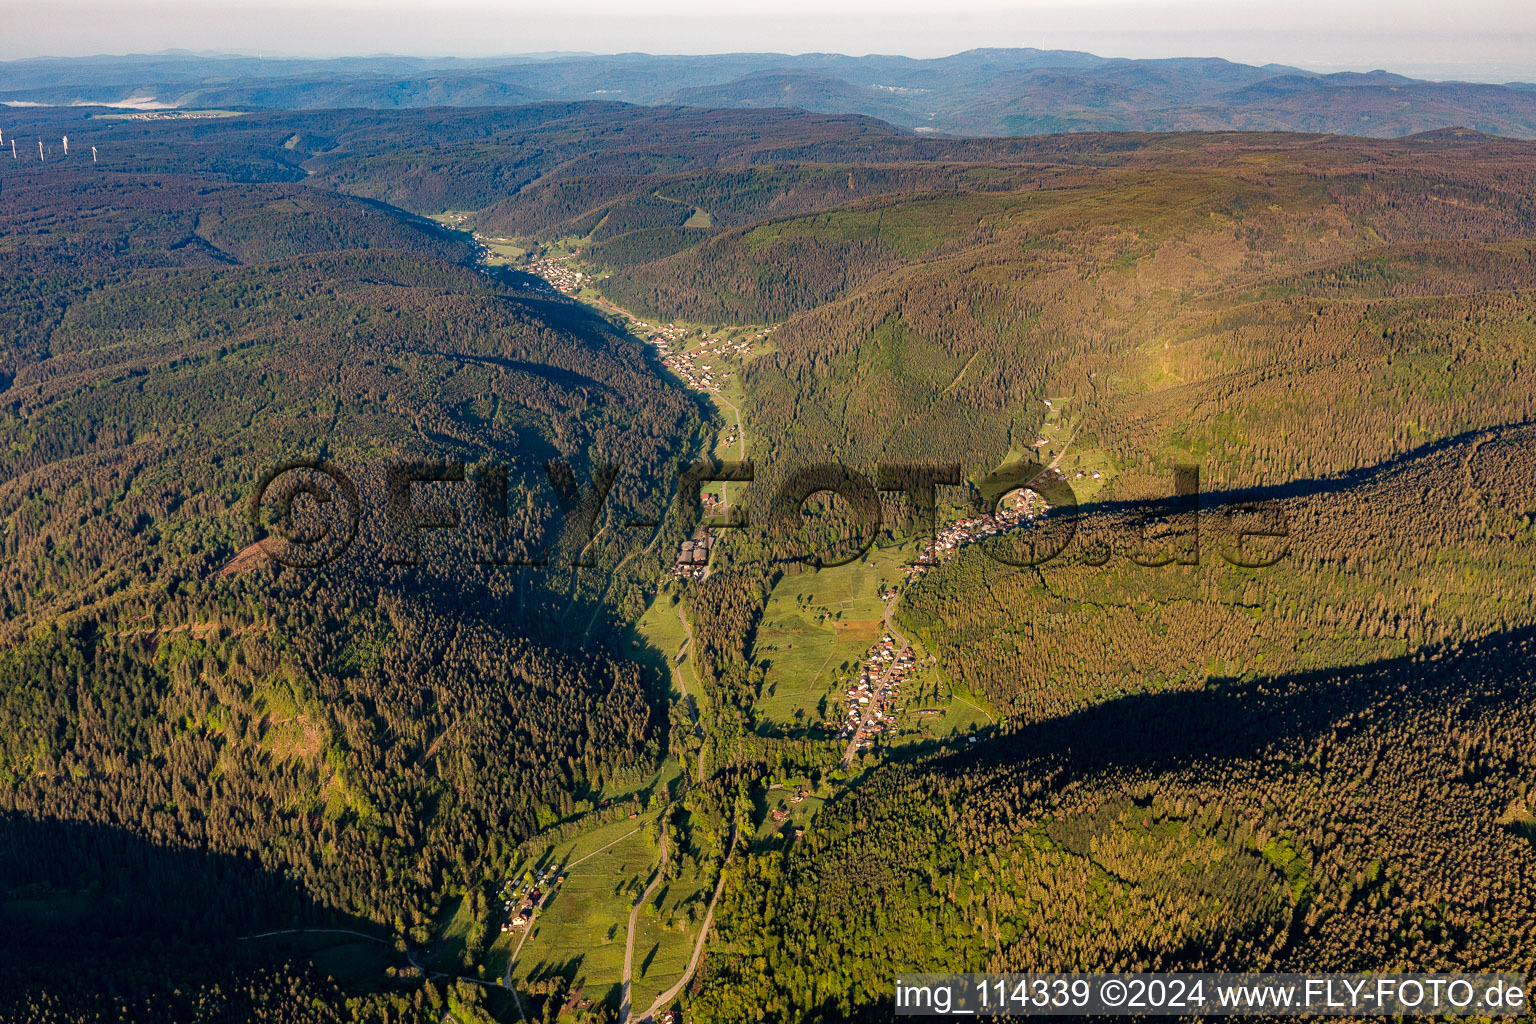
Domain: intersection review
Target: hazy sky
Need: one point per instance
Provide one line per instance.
(1490, 40)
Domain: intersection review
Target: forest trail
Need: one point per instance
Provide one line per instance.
(698, 947)
(634, 916)
(692, 702)
(956, 382)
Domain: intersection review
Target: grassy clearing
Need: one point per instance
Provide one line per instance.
(959, 717)
(666, 930)
(854, 631)
(658, 632)
(731, 443)
(816, 628)
(580, 930)
(655, 640)
(504, 251)
(449, 948)
(781, 798)
(587, 843)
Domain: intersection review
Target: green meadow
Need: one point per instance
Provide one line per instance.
(816, 627)
(579, 932)
(666, 930)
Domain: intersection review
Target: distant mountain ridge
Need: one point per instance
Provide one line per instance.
(978, 92)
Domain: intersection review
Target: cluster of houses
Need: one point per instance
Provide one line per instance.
(872, 697)
(721, 347)
(779, 816)
(661, 338)
(554, 270)
(1015, 512)
(171, 115)
(715, 506)
(697, 375)
(693, 559)
(528, 895)
(490, 268)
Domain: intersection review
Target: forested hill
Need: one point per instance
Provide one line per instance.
(978, 92)
(1193, 754)
(350, 746)
(1351, 821)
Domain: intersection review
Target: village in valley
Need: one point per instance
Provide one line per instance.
(1016, 511)
(703, 366)
(873, 696)
(704, 359)
(689, 364)
(557, 271)
(833, 656)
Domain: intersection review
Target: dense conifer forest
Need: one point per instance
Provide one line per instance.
(370, 738)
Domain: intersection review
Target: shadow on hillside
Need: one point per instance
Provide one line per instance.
(1230, 719)
(1311, 486)
(97, 913)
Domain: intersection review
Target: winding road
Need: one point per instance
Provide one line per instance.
(698, 947)
(685, 649)
(634, 916)
(693, 704)
(671, 994)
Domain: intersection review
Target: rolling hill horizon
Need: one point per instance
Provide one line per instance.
(981, 92)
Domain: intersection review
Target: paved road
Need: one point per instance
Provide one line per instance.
(698, 950)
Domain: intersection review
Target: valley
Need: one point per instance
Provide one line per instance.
(546, 739)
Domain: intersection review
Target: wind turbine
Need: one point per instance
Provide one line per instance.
(93, 154)
(66, 145)
(40, 150)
